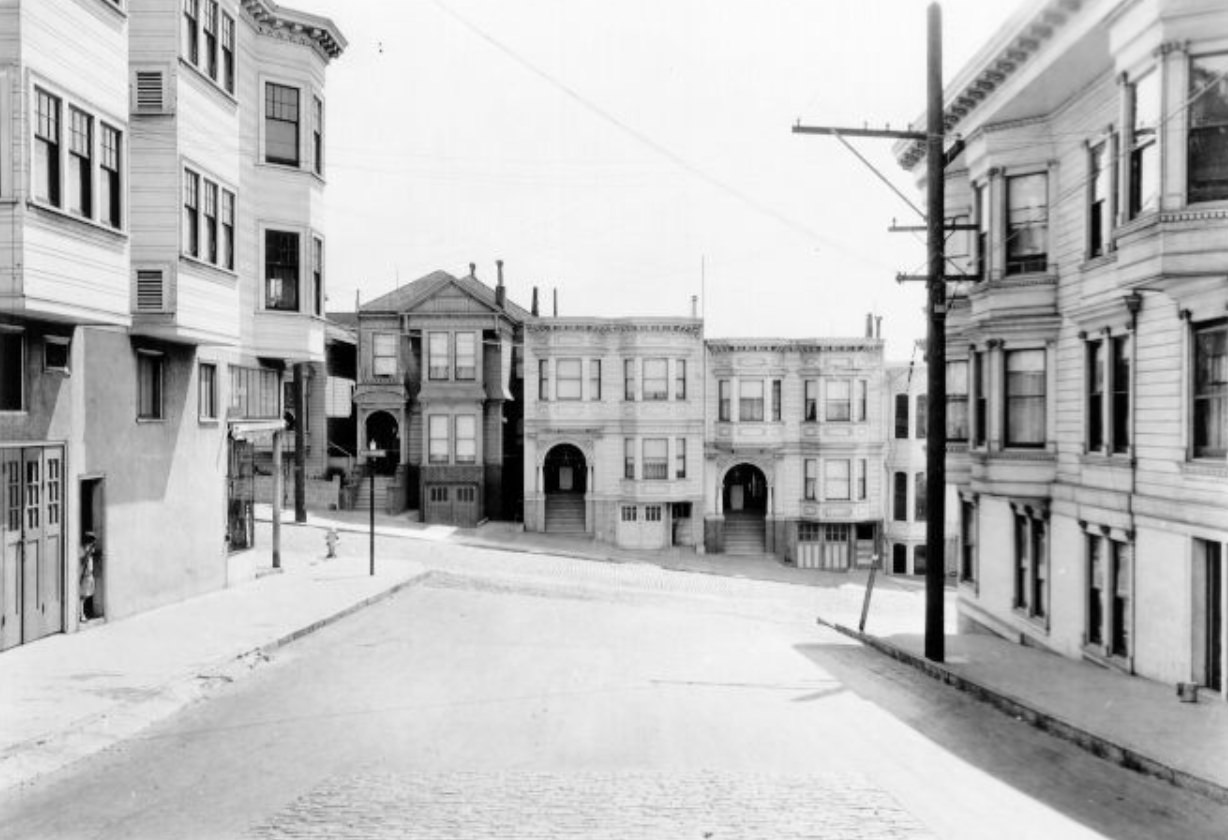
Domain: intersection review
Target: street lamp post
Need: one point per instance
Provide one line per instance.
(370, 455)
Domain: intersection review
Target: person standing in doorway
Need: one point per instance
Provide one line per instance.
(89, 552)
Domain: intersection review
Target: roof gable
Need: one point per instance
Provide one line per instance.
(441, 293)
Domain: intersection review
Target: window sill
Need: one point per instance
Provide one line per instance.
(1217, 468)
(224, 273)
(1117, 460)
(148, 420)
(208, 421)
(1098, 261)
(210, 83)
(58, 216)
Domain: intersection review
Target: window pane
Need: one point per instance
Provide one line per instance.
(1211, 391)
(384, 354)
(281, 270)
(836, 479)
(466, 355)
(656, 379)
(1025, 397)
(839, 402)
(570, 375)
(750, 399)
(1027, 223)
(1208, 137)
(281, 124)
(466, 439)
(437, 355)
(438, 439)
(656, 458)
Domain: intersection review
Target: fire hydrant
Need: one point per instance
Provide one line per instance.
(330, 540)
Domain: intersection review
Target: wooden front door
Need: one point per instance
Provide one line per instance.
(32, 575)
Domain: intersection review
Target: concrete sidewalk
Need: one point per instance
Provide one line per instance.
(71, 695)
(1133, 722)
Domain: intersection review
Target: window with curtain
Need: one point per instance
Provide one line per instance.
(466, 439)
(656, 379)
(466, 362)
(838, 406)
(1211, 390)
(1027, 223)
(957, 401)
(281, 261)
(1207, 141)
(750, 400)
(569, 379)
(656, 458)
(437, 361)
(437, 438)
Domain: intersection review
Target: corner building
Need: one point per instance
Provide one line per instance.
(160, 183)
(1089, 348)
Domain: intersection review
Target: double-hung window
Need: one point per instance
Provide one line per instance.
(466, 366)
(899, 497)
(629, 380)
(437, 355)
(980, 398)
(80, 163)
(839, 405)
(317, 275)
(281, 124)
(1144, 175)
(207, 391)
(656, 458)
(1031, 565)
(209, 26)
(109, 186)
(1100, 179)
(724, 411)
(922, 415)
(1027, 223)
(836, 479)
(629, 458)
(982, 233)
(466, 439)
(811, 479)
(811, 410)
(46, 176)
(317, 135)
(1207, 143)
(1025, 398)
(920, 506)
(384, 354)
(210, 203)
(680, 458)
(594, 379)
(776, 400)
(281, 262)
(957, 401)
(750, 400)
(437, 439)
(901, 416)
(228, 53)
(191, 213)
(149, 385)
(1211, 389)
(191, 30)
(1109, 591)
(656, 379)
(570, 379)
(543, 380)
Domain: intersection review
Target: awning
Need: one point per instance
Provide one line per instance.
(252, 429)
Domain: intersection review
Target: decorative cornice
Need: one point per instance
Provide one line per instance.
(276, 21)
(794, 345)
(614, 325)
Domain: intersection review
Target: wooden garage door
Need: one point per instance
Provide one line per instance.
(31, 543)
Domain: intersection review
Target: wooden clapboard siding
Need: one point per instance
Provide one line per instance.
(154, 192)
(82, 47)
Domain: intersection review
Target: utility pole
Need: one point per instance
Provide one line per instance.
(936, 310)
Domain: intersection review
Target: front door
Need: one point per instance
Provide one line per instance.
(1215, 617)
(240, 496)
(32, 538)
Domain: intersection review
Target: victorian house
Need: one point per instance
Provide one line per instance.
(795, 447)
(1090, 348)
(160, 194)
(439, 392)
(613, 429)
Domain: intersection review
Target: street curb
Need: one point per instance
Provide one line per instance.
(1097, 745)
(125, 720)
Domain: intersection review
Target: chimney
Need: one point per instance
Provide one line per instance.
(500, 292)
(533, 309)
(556, 302)
(878, 326)
(869, 325)
(473, 270)
(694, 306)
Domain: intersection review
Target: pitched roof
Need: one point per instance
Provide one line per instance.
(411, 294)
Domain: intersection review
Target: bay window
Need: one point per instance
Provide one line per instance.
(569, 382)
(281, 124)
(957, 401)
(750, 400)
(466, 364)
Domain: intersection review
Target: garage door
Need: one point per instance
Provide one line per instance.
(452, 504)
(31, 543)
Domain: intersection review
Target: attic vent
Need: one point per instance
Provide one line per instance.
(149, 92)
(150, 296)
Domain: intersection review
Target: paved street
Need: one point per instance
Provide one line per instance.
(520, 696)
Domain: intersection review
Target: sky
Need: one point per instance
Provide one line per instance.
(633, 154)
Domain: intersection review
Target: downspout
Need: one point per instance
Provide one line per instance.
(1134, 303)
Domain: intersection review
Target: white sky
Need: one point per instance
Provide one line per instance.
(607, 148)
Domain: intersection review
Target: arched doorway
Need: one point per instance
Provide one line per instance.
(565, 481)
(384, 432)
(744, 499)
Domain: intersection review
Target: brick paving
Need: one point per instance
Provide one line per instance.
(595, 806)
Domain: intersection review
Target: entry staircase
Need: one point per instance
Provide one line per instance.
(362, 498)
(565, 513)
(744, 533)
